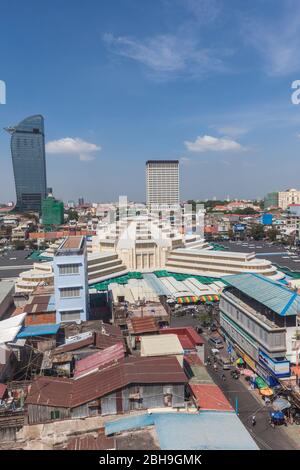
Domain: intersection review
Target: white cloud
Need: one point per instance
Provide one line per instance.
(167, 54)
(205, 11)
(276, 40)
(208, 143)
(232, 131)
(73, 146)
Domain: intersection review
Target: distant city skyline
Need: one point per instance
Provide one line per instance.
(202, 81)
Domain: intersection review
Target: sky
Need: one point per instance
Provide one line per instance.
(119, 82)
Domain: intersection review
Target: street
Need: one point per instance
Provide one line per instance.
(247, 404)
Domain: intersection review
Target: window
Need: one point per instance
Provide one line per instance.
(70, 316)
(55, 414)
(69, 269)
(69, 292)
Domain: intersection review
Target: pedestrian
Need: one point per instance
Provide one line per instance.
(223, 377)
(215, 367)
(253, 420)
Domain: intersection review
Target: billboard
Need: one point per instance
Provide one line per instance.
(239, 227)
(267, 219)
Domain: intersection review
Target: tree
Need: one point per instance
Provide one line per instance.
(257, 231)
(72, 215)
(273, 233)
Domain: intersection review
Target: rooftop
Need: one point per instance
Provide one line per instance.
(273, 295)
(210, 397)
(207, 430)
(70, 246)
(99, 360)
(70, 393)
(160, 345)
(142, 325)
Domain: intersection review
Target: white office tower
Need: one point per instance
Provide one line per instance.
(162, 179)
(71, 281)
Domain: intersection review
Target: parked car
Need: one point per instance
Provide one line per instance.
(216, 342)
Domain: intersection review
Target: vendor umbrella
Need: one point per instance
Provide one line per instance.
(281, 404)
(240, 361)
(266, 392)
(248, 373)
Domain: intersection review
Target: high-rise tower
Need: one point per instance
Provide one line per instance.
(29, 163)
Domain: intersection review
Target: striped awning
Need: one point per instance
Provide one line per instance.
(188, 300)
(194, 299)
(209, 298)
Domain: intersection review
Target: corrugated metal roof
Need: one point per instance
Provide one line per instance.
(70, 393)
(39, 330)
(3, 388)
(271, 294)
(75, 345)
(99, 360)
(210, 397)
(186, 334)
(138, 325)
(90, 443)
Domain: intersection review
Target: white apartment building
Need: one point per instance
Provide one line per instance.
(162, 180)
(288, 197)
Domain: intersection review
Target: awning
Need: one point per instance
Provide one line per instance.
(209, 298)
(266, 392)
(188, 300)
(260, 383)
(239, 361)
(248, 373)
(281, 404)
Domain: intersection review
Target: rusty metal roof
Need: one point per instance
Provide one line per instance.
(210, 397)
(70, 393)
(138, 325)
(74, 345)
(101, 442)
(103, 341)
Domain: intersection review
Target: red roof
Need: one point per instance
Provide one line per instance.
(193, 359)
(138, 325)
(70, 393)
(210, 397)
(187, 336)
(99, 360)
(3, 388)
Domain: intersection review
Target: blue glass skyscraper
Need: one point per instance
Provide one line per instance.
(29, 163)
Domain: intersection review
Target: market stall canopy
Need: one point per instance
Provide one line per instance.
(266, 392)
(280, 404)
(260, 383)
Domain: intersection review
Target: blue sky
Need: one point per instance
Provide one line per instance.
(123, 81)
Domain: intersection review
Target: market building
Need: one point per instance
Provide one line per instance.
(259, 318)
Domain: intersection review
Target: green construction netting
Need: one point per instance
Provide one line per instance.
(36, 256)
(217, 247)
(103, 286)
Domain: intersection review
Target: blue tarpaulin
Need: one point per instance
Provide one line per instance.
(38, 330)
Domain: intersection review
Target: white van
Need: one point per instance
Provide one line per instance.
(216, 342)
